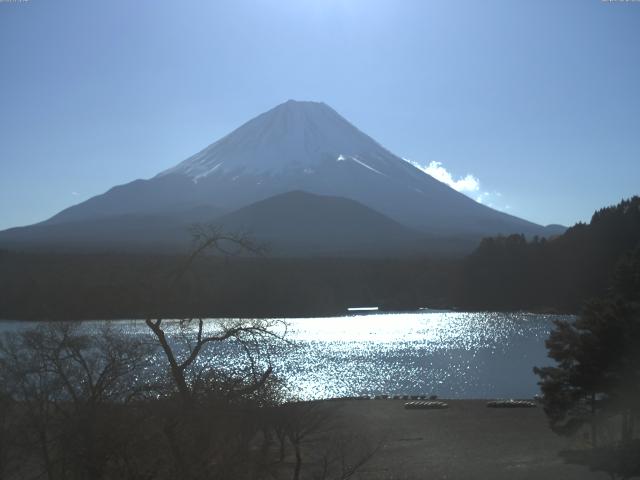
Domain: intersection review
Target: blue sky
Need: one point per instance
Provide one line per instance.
(537, 102)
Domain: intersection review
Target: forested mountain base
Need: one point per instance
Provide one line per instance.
(504, 273)
(511, 273)
(64, 287)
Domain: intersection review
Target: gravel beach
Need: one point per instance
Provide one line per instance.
(465, 441)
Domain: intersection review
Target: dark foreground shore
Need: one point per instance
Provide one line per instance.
(465, 441)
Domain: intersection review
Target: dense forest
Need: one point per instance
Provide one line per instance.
(65, 286)
(511, 273)
(504, 273)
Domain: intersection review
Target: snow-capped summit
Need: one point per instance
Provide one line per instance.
(293, 136)
(296, 146)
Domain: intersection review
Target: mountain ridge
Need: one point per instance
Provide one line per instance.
(295, 223)
(303, 146)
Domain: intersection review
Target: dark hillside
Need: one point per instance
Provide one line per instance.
(74, 286)
(511, 273)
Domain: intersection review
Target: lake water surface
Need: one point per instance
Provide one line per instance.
(450, 354)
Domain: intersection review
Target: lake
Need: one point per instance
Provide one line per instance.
(449, 354)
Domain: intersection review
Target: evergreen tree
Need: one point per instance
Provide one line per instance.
(597, 377)
(597, 371)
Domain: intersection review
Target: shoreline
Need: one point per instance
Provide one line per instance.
(464, 441)
(299, 317)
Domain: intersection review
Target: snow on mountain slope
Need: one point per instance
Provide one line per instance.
(304, 146)
(292, 137)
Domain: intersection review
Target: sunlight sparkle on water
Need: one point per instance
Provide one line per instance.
(451, 354)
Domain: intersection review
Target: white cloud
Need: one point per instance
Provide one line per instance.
(468, 183)
(75, 194)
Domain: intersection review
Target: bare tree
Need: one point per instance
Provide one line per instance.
(345, 453)
(63, 380)
(302, 420)
(247, 333)
(209, 423)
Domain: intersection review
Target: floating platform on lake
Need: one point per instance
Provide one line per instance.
(362, 309)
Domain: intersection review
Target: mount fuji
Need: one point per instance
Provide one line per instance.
(302, 147)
